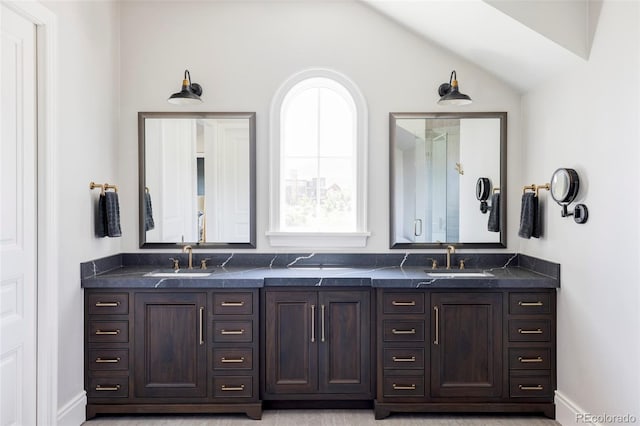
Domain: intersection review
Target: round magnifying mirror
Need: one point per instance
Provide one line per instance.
(483, 187)
(564, 185)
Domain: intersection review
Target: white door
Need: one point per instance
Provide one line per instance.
(17, 221)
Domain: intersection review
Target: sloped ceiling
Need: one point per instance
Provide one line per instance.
(524, 43)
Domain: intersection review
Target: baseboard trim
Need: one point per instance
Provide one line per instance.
(73, 413)
(569, 413)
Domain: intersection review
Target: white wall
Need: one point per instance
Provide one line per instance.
(587, 119)
(240, 52)
(87, 125)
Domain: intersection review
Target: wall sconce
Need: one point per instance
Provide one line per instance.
(449, 94)
(190, 93)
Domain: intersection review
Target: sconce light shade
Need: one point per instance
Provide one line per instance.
(190, 93)
(449, 94)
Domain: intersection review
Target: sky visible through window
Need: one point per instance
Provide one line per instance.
(318, 169)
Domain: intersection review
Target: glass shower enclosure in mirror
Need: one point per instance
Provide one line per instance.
(197, 179)
(436, 160)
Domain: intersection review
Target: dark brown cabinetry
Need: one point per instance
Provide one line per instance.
(171, 351)
(317, 344)
(465, 350)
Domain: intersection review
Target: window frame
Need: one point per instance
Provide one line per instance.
(356, 238)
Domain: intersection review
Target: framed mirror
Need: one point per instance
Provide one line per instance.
(197, 179)
(436, 160)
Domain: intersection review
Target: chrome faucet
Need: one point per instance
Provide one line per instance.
(450, 249)
(189, 249)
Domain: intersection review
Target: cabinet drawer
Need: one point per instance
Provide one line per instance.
(108, 359)
(536, 386)
(403, 331)
(403, 358)
(108, 303)
(232, 386)
(529, 303)
(529, 330)
(232, 331)
(109, 387)
(240, 303)
(232, 359)
(530, 359)
(108, 331)
(403, 303)
(407, 386)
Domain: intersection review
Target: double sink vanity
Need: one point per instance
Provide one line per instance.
(320, 330)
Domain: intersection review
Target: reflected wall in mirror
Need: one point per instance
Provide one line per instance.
(436, 160)
(197, 179)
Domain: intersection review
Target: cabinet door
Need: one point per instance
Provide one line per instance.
(291, 342)
(345, 344)
(466, 345)
(170, 351)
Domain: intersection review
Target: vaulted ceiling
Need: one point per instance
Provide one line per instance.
(524, 42)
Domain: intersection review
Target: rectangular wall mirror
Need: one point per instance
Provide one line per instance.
(436, 160)
(197, 179)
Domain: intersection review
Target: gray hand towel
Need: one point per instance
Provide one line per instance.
(149, 224)
(112, 214)
(529, 216)
(100, 218)
(493, 225)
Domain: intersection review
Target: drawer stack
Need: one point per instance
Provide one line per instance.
(531, 347)
(234, 355)
(403, 354)
(108, 345)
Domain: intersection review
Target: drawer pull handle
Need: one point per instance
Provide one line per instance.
(437, 315)
(531, 388)
(538, 303)
(107, 332)
(525, 360)
(536, 331)
(396, 331)
(398, 359)
(231, 332)
(396, 303)
(232, 304)
(101, 388)
(107, 360)
(404, 387)
(232, 388)
(231, 360)
(107, 304)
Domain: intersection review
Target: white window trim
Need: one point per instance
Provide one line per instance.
(278, 238)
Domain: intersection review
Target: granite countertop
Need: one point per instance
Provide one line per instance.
(516, 272)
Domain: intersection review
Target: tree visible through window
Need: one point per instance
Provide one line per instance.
(318, 158)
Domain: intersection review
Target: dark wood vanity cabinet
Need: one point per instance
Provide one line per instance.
(317, 344)
(172, 351)
(463, 350)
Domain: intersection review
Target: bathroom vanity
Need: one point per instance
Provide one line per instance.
(324, 330)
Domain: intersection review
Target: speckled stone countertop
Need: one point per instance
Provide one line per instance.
(240, 270)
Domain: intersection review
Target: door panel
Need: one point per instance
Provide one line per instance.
(467, 345)
(18, 233)
(290, 343)
(170, 352)
(344, 361)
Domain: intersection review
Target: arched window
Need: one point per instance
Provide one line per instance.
(318, 162)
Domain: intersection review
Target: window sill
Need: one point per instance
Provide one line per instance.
(317, 239)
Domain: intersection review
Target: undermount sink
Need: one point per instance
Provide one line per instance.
(176, 274)
(459, 274)
(318, 268)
